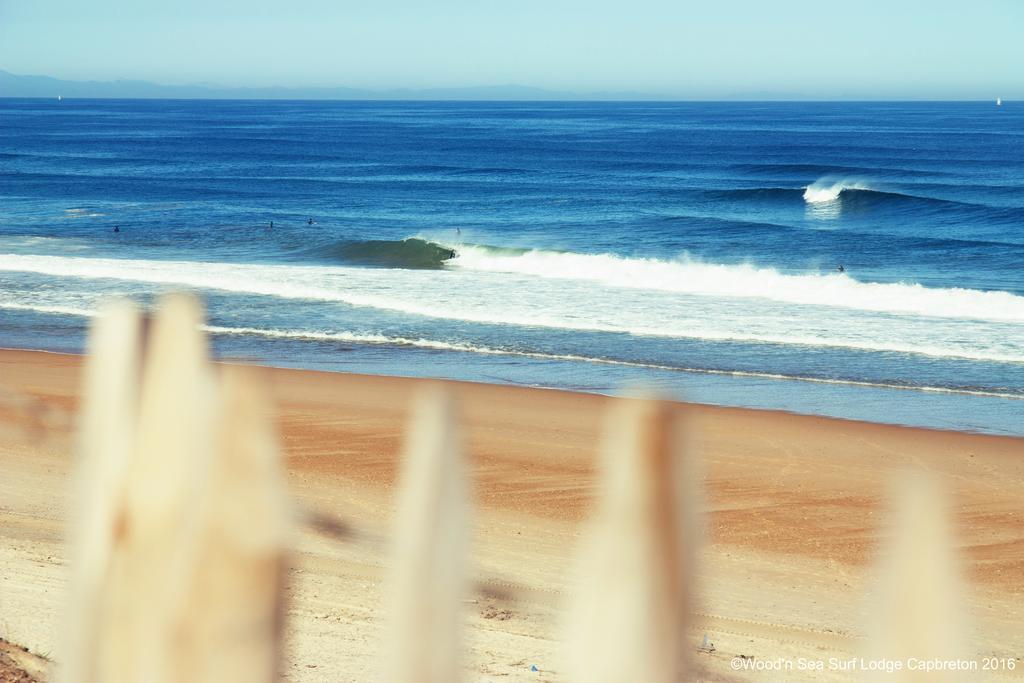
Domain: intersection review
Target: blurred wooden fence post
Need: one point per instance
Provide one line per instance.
(916, 611)
(629, 616)
(235, 607)
(183, 542)
(430, 546)
(181, 521)
(106, 443)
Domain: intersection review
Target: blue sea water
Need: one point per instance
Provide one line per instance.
(690, 247)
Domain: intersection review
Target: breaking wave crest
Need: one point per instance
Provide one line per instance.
(689, 276)
(414, 253)
(682, 276)
(546, 289)
(829, 191)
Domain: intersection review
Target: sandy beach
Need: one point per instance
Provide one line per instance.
(795, 513)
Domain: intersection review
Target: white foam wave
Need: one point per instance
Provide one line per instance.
(810, 341)
(718, 280)
(683, 276)
(492, 297)
(82, 213)
(44, 308)
(473, 348)
(829, 191)
(438, 345)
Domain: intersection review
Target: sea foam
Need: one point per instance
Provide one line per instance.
(609, 294)
(748, 281)
(349, 337)
(829, 190)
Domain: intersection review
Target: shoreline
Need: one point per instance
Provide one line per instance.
(270, 335)
(795, 510)
(919, 391)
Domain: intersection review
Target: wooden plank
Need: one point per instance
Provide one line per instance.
(181, 519)
(110, 394)
(232, 621)
(628, 617)
(916, 610)
(431, 529)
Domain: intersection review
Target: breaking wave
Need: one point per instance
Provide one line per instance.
(829, 191)
(683, 276)
(689, 276)
(414, 253)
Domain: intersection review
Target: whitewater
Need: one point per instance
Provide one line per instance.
(437, 345)
(555, 290)
(828, 190)
(746, 280)
(683, 276)
(691, 247)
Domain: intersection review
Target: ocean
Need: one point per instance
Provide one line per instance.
(858, 260)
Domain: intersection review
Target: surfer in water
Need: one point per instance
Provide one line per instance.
(309, 222)
(117, 228)
(841, 269)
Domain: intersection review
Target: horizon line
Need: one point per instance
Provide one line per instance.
(650, 100)
(35, 85)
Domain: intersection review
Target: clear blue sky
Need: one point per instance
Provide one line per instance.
(901, 49)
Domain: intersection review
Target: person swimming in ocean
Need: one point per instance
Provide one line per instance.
(117, 228)
(271, 225)
(309, 222)
(841, 269)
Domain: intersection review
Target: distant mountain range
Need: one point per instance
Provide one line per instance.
(14, 85)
